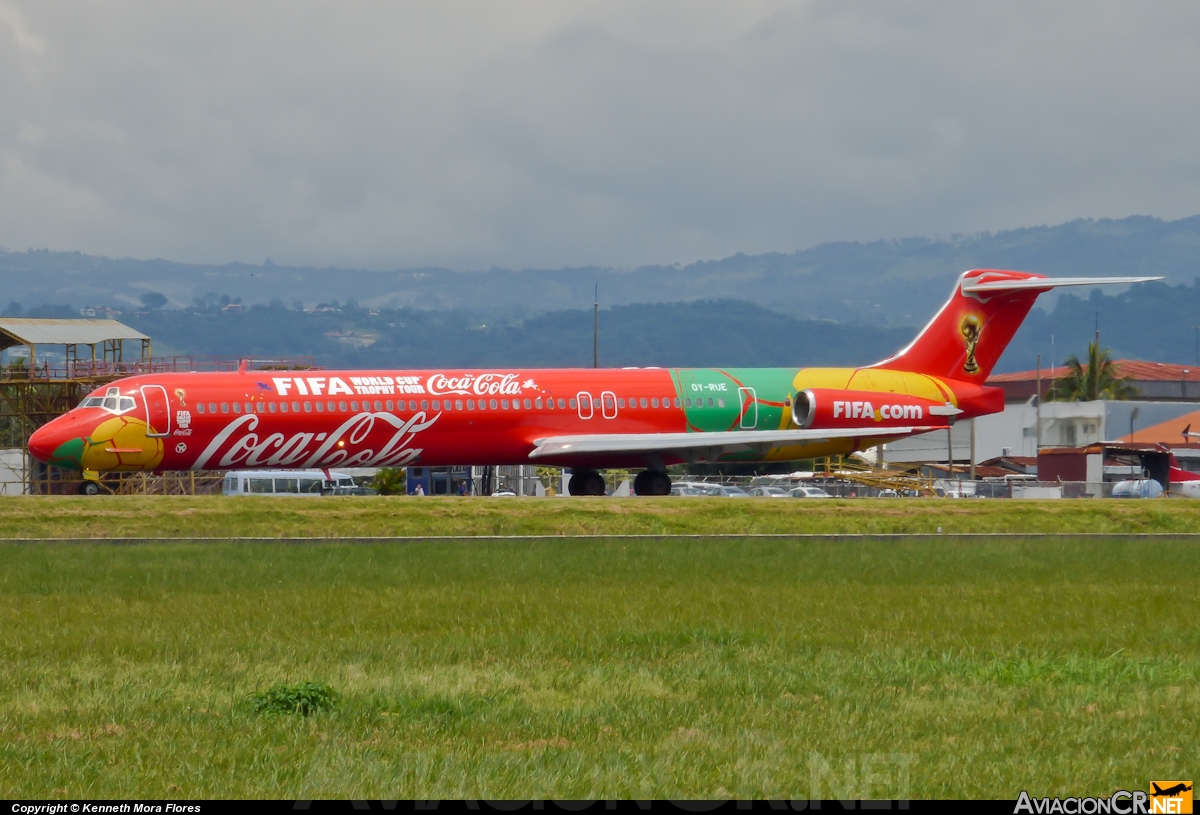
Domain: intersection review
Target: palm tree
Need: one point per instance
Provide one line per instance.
(390, 481)
(1099, 379)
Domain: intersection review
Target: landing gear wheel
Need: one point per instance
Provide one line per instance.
(89, 488)
(586, 482)
(652, 482)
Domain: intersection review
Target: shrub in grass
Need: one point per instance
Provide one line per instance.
(299, 697)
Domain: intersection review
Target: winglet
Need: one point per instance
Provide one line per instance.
(242, 366)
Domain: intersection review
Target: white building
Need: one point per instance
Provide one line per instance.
(1166, 392)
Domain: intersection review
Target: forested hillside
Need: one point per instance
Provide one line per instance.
(701, 333)
(1151, 321)
(834, 304)
(898, 283)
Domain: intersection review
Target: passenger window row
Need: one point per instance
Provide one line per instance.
(308, 406)
(114, 403)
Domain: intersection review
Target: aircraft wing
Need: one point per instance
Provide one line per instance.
(706, 446)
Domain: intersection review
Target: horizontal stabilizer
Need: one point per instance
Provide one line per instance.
(726, 441)
(1050, 283)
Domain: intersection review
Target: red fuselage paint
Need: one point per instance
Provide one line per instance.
(320, 419)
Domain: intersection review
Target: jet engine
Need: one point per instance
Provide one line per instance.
(821, 408)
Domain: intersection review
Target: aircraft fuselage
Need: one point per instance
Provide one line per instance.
(305, 419)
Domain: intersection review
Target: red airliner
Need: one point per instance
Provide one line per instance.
(583, 418)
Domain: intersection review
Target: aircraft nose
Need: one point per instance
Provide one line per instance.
(43, 442)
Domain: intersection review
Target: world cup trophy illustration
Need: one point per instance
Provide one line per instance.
(971, 327)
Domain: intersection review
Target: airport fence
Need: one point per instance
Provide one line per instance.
(1024, 488)
(88, 369)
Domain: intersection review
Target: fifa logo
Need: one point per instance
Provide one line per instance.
(971, 327)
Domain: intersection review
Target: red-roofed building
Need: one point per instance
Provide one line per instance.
(1155, 381)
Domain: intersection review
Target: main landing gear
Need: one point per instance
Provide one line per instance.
(647, 482)
(652, 482)
(89, 488)
(586, 482)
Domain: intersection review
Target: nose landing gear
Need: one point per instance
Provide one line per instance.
(90, 484)
(652, 482)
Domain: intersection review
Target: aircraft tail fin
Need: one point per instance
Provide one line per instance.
(966, 337)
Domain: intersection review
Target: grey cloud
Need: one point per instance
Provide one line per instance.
(616, 133)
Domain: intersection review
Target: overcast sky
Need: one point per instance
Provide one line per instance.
(473, 134)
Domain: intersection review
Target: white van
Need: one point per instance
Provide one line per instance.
(284, 482)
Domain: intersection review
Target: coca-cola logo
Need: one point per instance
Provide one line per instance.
(362, 440)
(477, 385)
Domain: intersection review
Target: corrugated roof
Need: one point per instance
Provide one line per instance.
(1026, 376)
(1136, 368)
(26, 331)
(1169, 431)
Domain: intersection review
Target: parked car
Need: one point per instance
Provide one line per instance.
(355, 490)
(504, 494)
(720, 490)
(809, 492)
(888, 494)
(704, 488)
(767, 492)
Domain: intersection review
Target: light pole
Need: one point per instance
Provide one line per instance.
(1053, 381)
(1037, 421)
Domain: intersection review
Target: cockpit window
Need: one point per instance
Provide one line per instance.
(112, 401)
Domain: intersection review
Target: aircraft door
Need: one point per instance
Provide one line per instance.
(748, 405)
(585, 404)
(158, 411)
(609, 404)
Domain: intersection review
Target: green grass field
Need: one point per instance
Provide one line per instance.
(217, 516)
(616, 667)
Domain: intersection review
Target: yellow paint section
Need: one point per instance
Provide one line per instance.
(121, 444)
(876, 380)
(785, 416)
(795, 452)
(838, 378)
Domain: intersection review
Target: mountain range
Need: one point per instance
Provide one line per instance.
(886, 282)
(838, 303)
